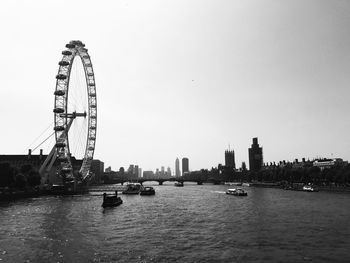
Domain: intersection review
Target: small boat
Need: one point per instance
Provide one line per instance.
(179, 184)
(309, 188)
(148, 190)
(132, 189)
(111, 200)
(236, 192)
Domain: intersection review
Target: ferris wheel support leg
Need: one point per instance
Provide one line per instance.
(47, 165)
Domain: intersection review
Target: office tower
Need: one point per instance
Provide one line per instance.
(230, 159)
(185, 165)
(168, 171)
(255, 156)
(177, 168)
(136, 171)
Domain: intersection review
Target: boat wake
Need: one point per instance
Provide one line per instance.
(218, 192)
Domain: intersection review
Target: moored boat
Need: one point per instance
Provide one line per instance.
(179, 184)
(309, 188)
(236, 192)
(111, 200)
(148, 190)
(132, 189)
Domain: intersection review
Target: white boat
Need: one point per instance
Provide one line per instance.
(309, 188)
(179, 184)
(132, 189)
(236, 192)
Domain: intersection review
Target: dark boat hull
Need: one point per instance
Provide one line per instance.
(147, 193)
(104, 205)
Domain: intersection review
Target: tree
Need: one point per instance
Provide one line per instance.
(33, 178)
(7, 175)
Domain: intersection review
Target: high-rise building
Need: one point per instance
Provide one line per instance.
(255, 156)
(177, 168)
(230, 159)
(168, 171)
(185, 165)
(136, 171)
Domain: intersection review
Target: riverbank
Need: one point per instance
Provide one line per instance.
(330, 188)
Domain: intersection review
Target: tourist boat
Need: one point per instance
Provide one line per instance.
(309, 188)
(111, 200)
(236, 191)
(132, 189)
(148, 190)
(179, 184)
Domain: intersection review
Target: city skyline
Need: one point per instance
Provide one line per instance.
(179, 79)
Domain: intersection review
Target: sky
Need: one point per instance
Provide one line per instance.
(185, 78)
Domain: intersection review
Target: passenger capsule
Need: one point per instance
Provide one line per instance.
(90, 74)
(58, 110)
(75, 42)
(63, 63)
(67, 53)
(70, 45)
(66, 169)
(59, 92)
(59, 128)
(92, 138)
(93, 95)
(86, 56)
(91, 148)
(61, 76)
(91, 84)
(92, 128)
(93, 117)
(93, 106)
(63, 158)
(84, 49)
(60, 145)
(88, 65)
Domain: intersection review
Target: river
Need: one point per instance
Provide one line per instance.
(194, 223)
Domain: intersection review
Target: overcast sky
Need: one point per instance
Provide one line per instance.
(185, 78)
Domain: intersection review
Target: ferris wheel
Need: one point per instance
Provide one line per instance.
(75, 113)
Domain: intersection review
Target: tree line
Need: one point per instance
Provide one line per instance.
(18, 178)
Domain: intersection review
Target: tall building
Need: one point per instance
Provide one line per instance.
(230, 159)
(136, 171)
(97, 167)
(185, 165)
(168, 171)
(177, 168)
(255, 156)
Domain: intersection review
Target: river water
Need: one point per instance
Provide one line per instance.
(179, 224)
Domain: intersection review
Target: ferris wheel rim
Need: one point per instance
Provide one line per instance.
(63, 119)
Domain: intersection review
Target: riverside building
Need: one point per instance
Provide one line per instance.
(185, 165)
(230, 159)
(255, 156)
(177, 168)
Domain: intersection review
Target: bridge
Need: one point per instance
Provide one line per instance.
(170, 179)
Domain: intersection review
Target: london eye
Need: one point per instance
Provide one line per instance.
(75, 114)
